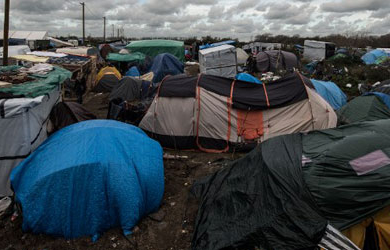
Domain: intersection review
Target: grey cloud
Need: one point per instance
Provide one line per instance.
(354, 5)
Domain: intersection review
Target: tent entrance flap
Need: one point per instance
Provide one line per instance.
(250, 124)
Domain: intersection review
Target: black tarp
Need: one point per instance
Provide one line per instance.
(106, 83)
(259, 201)
(283, 92)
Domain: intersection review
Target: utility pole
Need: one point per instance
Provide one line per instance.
(118, 33)
(6, 32)
(83, 5)
(113, 31)
(104, 29)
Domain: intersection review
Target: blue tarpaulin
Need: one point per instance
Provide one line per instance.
(247, 78)
(331, 93)
(372, 56)
(216, 44)
(89, 177)
(133, 71)
(165, 64)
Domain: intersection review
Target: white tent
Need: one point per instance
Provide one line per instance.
(219, 61)
(27, 35)
(242, 56)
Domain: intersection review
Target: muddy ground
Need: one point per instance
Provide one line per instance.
(170, 228)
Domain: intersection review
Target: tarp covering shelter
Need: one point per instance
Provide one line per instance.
(247, 78)
(67, 113)
(24, 115)
(374, 56)
(133, 71)
(363, 108)
(166, 64)
(331, 93)
(219, 61)
(382, 87)
(154, 47)
(349, 185)
(315, 180)
(90, 177)
(217, 114)
(273, 60)
(107, 79)
(260, 202)
(136, 57)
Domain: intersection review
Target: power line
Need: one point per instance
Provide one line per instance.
(90, 11)
(72, 2)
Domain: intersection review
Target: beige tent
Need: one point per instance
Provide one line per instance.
(242, 56)
(217, 114)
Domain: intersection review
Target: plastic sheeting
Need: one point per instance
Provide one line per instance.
(247, 78)
(133, 71)
(136, 57)
(154, 47)
(384, 97)
(219, 61)
(331, 93)
(165, 64)
(89, 177)
(258, 201)
(372, 56)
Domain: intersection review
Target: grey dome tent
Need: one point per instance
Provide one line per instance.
(273, 60)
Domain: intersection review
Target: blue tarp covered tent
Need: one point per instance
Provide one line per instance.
(216, 44)
(331, 93)
(165, 64)
(133, 71)
(372, 56)
(89, 177)
(247, 78)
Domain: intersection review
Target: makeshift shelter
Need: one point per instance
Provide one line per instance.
(81, 51)
(219, 61)
(248, 78)
(130, 90)
(105, 50)
(374, 56)
(363, 108)
(242, 56)
(273, 60)
(315, 185)
(64, 114)
(331, 93)
(317, 50)
(24, 115)
(216, 114)
(166, 64)
(66, 193)
(107, 79)
(154, 47)
(383, 87)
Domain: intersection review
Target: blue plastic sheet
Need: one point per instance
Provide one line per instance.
(372, 56)
(384, 97)
(247, 78)
(89, 177)
(133, 71)
(331, 93)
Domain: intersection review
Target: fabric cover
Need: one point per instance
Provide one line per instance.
(258, 201)
(247, 78)
(331, 93)
(154, 47)
(107, 79)
(273, 60)
(363, 108)
(74, 187)
(384, 97)
(219, 61)
(242, 56)
(130, 89)
(166, 64)
(317, 50)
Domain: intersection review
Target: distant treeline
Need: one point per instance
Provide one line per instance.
(360, 40)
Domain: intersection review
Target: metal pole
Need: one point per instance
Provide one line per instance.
(104, 32)
(83, 5)
(6, 32)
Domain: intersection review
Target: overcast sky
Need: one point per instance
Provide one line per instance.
(238, 19)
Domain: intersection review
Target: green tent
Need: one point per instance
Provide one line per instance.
(132, 57)
(41, 85)
(347, 170)
(154, 47)
(363, 108)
